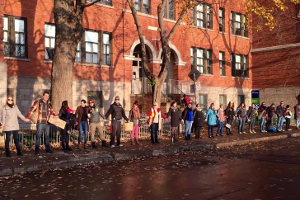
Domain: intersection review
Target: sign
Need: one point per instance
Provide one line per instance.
(194, 74)
(255, 96)
(57, 122)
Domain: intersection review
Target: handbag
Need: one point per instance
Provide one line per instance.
(228, 126)
(128, 126)
(35, 115)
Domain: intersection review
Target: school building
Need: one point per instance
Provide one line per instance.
(108, 62)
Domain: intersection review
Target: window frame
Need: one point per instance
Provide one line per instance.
(224, 96)
(207, 60)
(222, 18)
(167, 10)
(207, 19)
(203, 105)
(243, 72)
(141, 5)
(243, 29)
(93, 53)
(49, 49)
(222, 64)
(11, 37)
(242, 97)
(103, 2)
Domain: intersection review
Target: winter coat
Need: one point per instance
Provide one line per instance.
(198, 118)
(270, 112)
(221, 114)
(280, 111)
(262, 109)
(175, 116)
(116, 111)
(10, 118)
(185, 114)
(95, 114)
(288, 113)
(211, 117)
(241, 112)
(229, 114)
(251, 113)
(69, 118)
(79, 113)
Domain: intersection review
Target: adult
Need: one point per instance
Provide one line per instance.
(221, 120)
(65, 114)
(241, 113)
(280, 115)
(288, 115)
(82, 118)
(135, 116)
(187, 116)
(262, 114)
(155, 116)
(270, 113)
(211, 117)
(95, 123)
(199, 119)
(44, 110)
(174, 113)
(10, 124)
(297, 114)
(117, 113)
(229, 115)
(251, 113)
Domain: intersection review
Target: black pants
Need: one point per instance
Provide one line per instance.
(287, 123)
(198, 132)
(154, 129)
(16, 140)
(65, 136)
(269, 122)
(116, 130)
(228, 130)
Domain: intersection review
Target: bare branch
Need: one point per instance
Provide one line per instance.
(90, 4)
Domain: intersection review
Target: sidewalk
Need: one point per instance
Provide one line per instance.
(30, 162)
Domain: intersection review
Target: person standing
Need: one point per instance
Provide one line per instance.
(44, 110)
(66, 115)
(155, 116)
(95, 123)
(229, 115)
(82, 118)
(280, 116)
(251, 113)
(199, 119)
(187, 116)
(242, 116)
(262, 114)
(297, 115)
(174, 112)
(117, 113)
(135, 116)
(211, 117)
(270, 113)
(221, 120)
(10, 124)
(288, 115)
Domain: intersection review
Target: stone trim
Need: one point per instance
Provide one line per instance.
(274, 48)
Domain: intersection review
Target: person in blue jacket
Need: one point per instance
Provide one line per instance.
(211, 117)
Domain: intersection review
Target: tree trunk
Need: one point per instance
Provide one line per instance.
(157, 90)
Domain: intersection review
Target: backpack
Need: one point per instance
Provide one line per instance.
(272, 129)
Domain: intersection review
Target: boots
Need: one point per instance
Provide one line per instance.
(19, 153)
(94, 145)
(104, 143)
(7, 153)
(132, 142)
(68, 148)
(137, 141)
(78, 146)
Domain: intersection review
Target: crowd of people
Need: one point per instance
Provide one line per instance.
(88, 119)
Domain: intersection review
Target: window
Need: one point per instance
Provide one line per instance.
(241, 99)
(222, 20)
(169, 9)
(97, 96)
(238, 26)
(202, 60)
(106, 49)
(14, 37)
(142, 6)
(239, 65)
(49, 41)
(223, 99)
(203, 16)
(222, 63)
(78, 53)
(105, 2)
(203, 102)
(91, 47)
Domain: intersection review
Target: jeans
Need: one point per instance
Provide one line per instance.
(154, 129)
(298, 123)
(252, 123)
(42, 128)
(188, 127)
(16, 140)
(220, 128)
(242, 124)
(262, 125)
(279, 123)
(211, 130)
(83, 127)
(65, 137)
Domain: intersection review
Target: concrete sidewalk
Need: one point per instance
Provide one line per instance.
(30, 162)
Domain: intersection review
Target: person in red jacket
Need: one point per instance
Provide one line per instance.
(155, 116)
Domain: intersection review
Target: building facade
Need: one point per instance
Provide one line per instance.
(108, 57)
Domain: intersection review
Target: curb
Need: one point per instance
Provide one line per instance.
(110, 157)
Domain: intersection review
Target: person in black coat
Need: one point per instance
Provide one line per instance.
(229, 115)
(199, 121)
(175, 114)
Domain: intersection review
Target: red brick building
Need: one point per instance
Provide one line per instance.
(276, 57)
(108, 61)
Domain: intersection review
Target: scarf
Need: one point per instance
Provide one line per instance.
(136, 113)
(10, 105)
